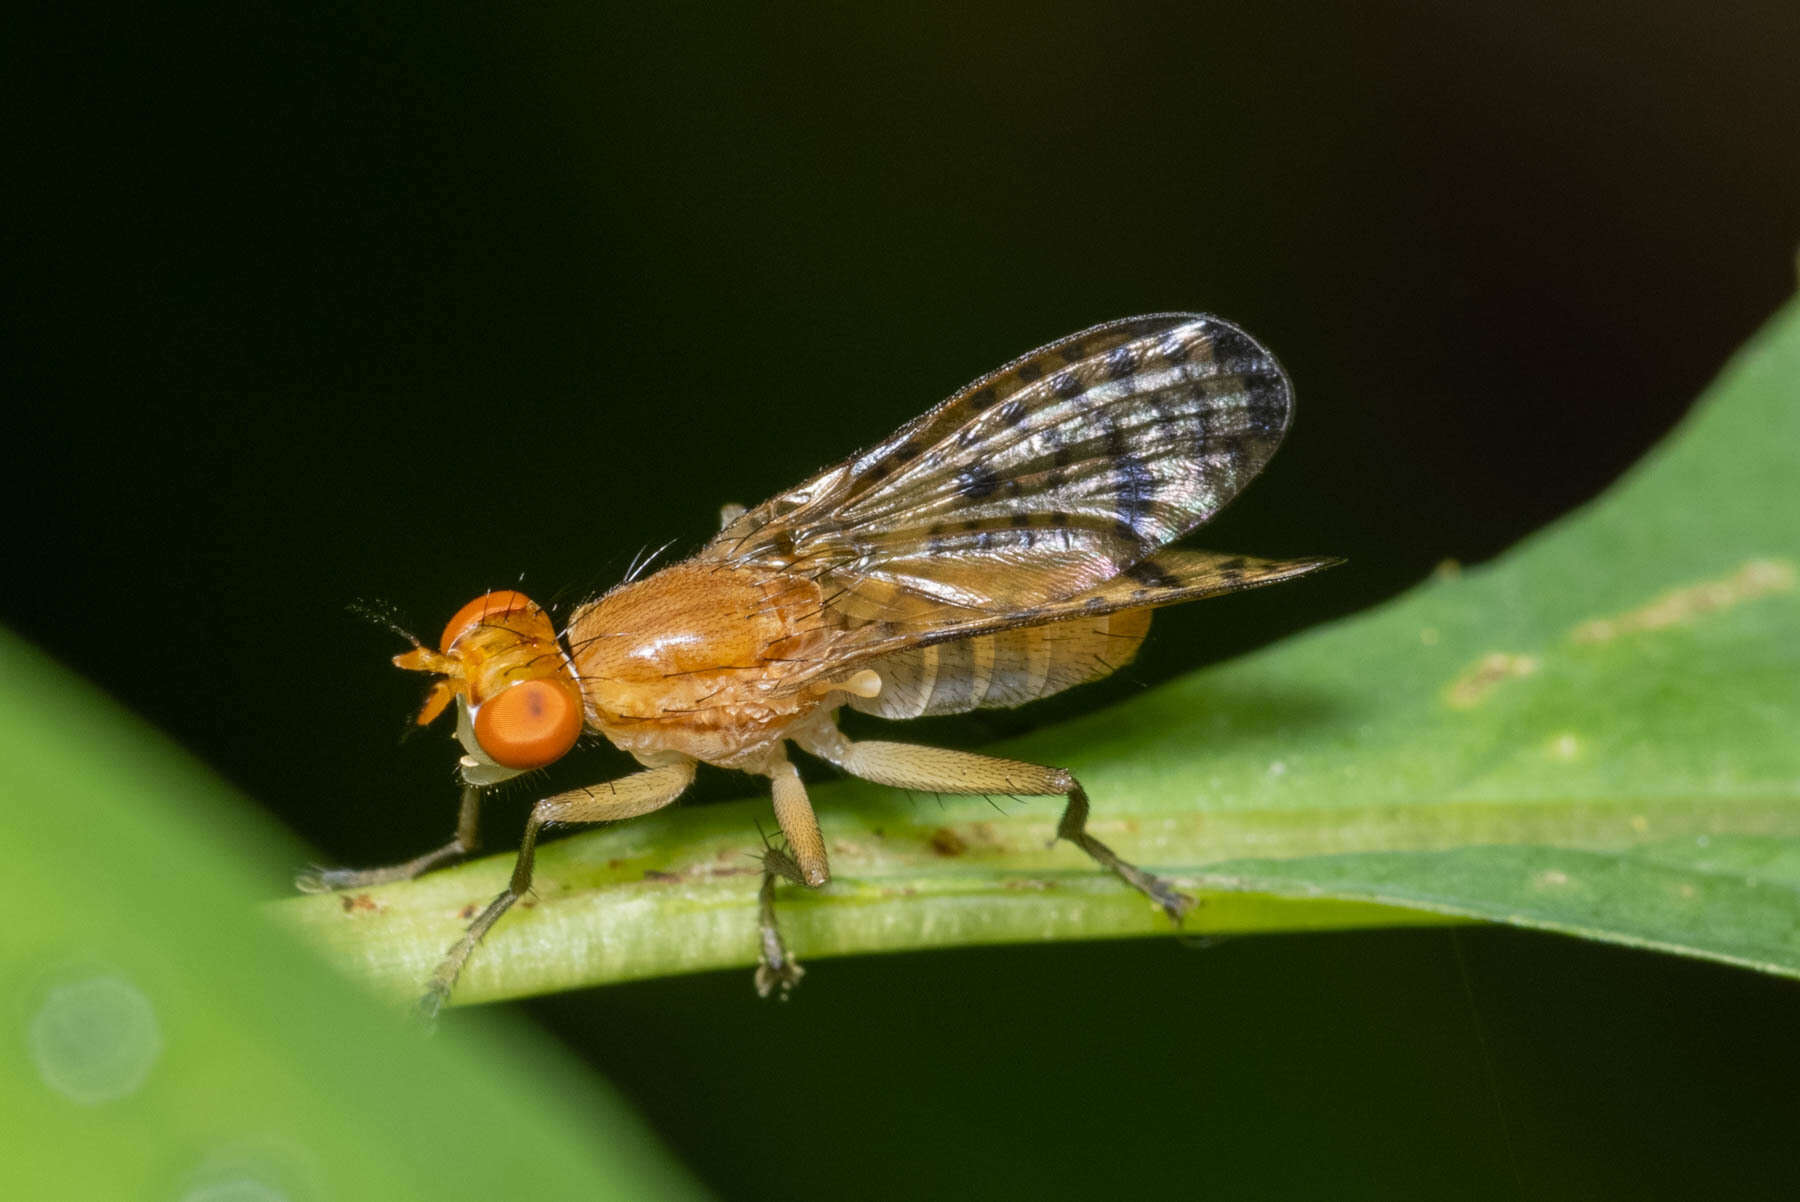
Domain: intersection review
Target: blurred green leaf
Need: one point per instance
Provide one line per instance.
(166, 1041)
(1593, 735)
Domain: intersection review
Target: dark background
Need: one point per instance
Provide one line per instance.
(314, 304)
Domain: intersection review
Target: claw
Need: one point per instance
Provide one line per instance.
(426, 1009)
(316, 879)
(1173, 902)
(784, 976)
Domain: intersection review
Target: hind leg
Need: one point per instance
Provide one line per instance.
(938, 770)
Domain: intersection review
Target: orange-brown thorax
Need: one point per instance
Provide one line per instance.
(694, 659)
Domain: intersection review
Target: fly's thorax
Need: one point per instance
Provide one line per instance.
(695, 658)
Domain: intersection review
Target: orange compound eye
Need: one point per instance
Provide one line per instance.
(529, 724)
(486, 608)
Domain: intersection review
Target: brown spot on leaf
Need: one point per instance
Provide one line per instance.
(1485, 675)
(946, 842)
(1679, 606)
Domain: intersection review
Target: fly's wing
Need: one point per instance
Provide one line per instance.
(988, 660)
(1037, 483)
(1167, 578)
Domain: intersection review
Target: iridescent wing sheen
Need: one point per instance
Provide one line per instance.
(1038, 481)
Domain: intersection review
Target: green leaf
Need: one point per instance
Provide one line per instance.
(1593, 735)
(165, 1041)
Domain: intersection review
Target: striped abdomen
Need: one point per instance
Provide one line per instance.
(1008, 668)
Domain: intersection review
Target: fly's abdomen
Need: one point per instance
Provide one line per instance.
(1004, 669)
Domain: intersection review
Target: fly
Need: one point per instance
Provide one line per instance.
(1004, 546)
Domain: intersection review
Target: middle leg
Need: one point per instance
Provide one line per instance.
(801, 861)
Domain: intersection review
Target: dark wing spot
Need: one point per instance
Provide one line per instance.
(1202, 433)
(1058, 518)
(1266, 401)
(904, 452)
(977, 482)
(1121, 362)
(1234, 351)
(1030, 373)
(1072, 352)
(1150, 573)
(1011, 412)
(1066, 384)
(1137, 489)
(1116, 444)
(1021, 519)
(981, 398)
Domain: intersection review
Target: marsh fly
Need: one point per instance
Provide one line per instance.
(1002, 547)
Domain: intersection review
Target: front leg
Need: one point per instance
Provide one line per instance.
(467, 839)
(629, 797)
(939, 770)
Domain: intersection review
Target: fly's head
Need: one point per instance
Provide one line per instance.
(518, 704)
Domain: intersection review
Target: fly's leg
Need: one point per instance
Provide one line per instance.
(775, 965)
(628, 797)
(938, 770)
(1073, 827)
(467, 839)
(802, 862)
(800, 827)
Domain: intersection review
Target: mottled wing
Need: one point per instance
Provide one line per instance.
(1167, 578)
(1037, 482)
